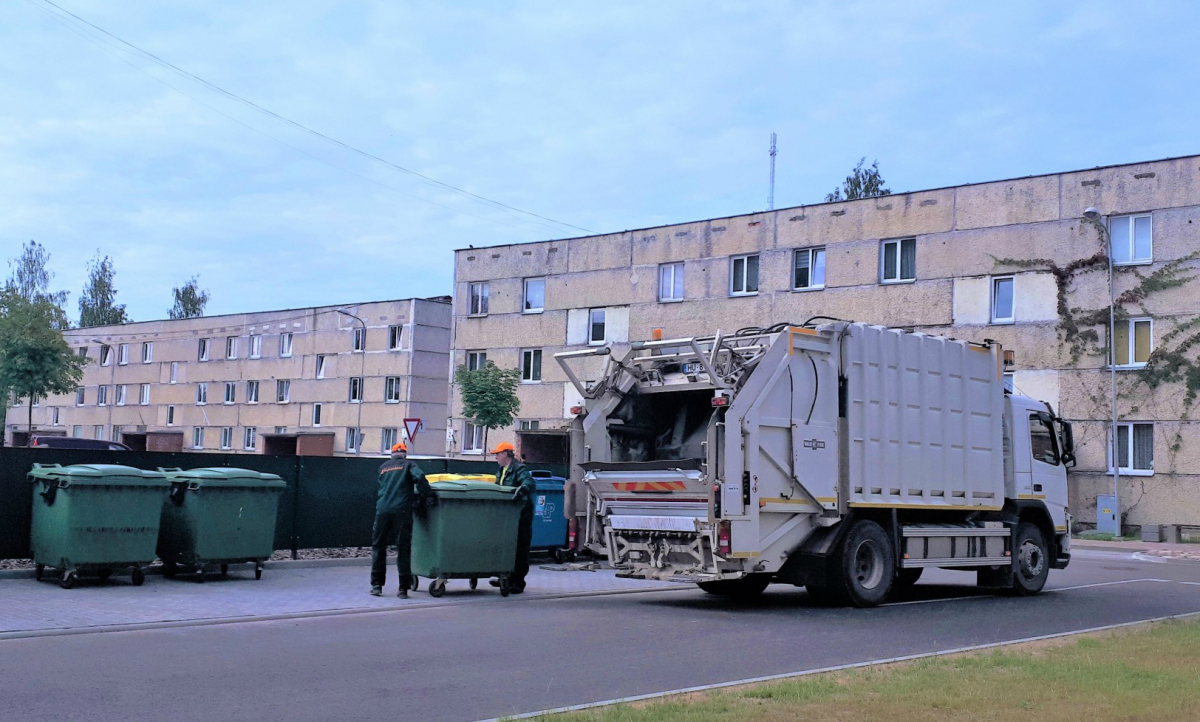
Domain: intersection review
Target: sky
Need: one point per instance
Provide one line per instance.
(596, 117)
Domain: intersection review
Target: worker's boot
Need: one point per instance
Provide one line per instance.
(376, 591)
(403, 593)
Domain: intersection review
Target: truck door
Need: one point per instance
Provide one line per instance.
(1048, 474)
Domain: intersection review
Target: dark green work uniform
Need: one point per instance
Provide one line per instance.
(402, 484)
(517, 476)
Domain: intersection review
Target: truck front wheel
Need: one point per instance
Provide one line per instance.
(865, 566)
(1031, 561)
(743, 588)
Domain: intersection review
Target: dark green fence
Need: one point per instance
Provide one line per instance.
(329, 502)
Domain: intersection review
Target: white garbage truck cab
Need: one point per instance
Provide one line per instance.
(842, 457)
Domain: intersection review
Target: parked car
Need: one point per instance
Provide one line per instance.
(70, 442)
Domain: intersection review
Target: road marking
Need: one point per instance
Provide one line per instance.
(1191, 584)
(1105, 584)
(838, 668)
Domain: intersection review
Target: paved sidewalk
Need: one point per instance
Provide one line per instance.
(1156, 549)
(43, 607)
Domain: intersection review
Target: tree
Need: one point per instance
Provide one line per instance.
(489, 396)
(98, 303)
(30, 280)
(35, 360)
(861, 183)
(190, 300)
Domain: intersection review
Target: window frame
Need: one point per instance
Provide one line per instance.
(202, 394)
(993, 318)
(353, 439)
(1132, 239)
(250, 439)
(316, 414)
(122, 394)
(529, 424)
(1130, 437)
(174, 377)
(202, 349)
(320, 366)
(525, 307)
(356, 384)
(531, 353)
(283, 391)
(106, 355)
(286, 340)
(387, 438)
(899, 244)
(810, 251)
(477, 358)
(1041, 421)
(391, 390)
(231, 348)
(170, 415)
(230, 392)
(396, 337)
(474, 435)
(80, 395)
(102, 395)
(144, 395)
(197, 437)
(677, 269)
(55, 418)
(1131, 344)
(252, 390)
(482, 308)
(122, 354)
(745, 276)
(358, 340)
(226, 438)
(147, 352)
(591, 338)
(255, 346)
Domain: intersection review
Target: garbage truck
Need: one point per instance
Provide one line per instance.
(843, 457)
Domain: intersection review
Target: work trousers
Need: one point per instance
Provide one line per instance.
(524, 539)
(391, 528)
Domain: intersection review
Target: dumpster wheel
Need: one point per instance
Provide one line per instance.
(505, 586)
(437, 588)
(68, 579)
(474, 582)
(258, 570)
(138, 577)
(38, 570)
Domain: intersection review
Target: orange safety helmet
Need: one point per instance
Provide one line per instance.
(399, 447)
(503, 446)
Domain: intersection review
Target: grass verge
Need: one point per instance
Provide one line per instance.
(1146, 673)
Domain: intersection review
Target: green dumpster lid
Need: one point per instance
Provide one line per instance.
(472, 490)
(97, 475)
(225, 476)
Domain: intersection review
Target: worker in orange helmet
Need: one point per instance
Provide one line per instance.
(513, 473)
(402, 488)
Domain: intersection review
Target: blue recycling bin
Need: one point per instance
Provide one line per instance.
(549, 521)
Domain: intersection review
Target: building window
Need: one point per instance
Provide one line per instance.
(478, 304)
(122, 391)
(82, 351)
(395, 337)
(106, 355)
(596, 318)
(808, 269)
(391, 390)
(202, 350)
(531, 366)
(122, 354)
(898, 261)
(281, 429)
(1135, 449)
(320, 366)
(476, 360)
(116, 432)
(255, 345)
(226, 437)
(1002, 300)
(528, 424)
(250, 441)
(1132, 239)
(1041, 441)
(1134, 342)
(285, 345)
(353, 437)
(201, 394)
(98, 432)
(77, 432)
(102, 396)
(670, 282)
(230, 392)
(147, 352)
(198, 437)
(80, 396)
(316, 417)
(472, 438)
(356, 390)
(170, 416)
(54, 417)
(359, 344)
(534, 298)
(144, 395)
(174, 372)
(390, 437)
(743, 275)
(252, 392)
(231, 348)
(283, 391)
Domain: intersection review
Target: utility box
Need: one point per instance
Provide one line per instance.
(1106, 515)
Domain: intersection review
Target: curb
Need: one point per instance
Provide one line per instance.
(276, 564)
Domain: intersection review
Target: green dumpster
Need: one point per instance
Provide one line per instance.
(95, 519)
(218, 516)
(470, 533)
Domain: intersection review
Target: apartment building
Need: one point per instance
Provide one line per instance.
(1011, 260)
(336, 380)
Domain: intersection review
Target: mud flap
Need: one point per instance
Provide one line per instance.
(990, 578)
(810, 564)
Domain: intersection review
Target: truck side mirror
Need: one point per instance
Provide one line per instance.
(1068, 442)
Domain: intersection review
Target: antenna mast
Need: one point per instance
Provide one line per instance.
(771, 193)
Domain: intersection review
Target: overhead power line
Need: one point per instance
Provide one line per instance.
(58, 11)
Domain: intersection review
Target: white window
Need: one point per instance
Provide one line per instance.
(476, 360)
(670, 282)
(472, 437)
(147, 352)
(170, 416)
(226, 437)
(281, 429)
(1134, 342)
(898, 261)
(390, 437)
(252, 392)
(534, 298)
(202, 350)
(54, 418)
(255, 345)
(144, 395)
(808, 269)
(285, 345)
(359, 344)
(1135, 449)
(320, 366)
(98, 432)
(478, 304)
(531, 366)
(1132, 239)
(352, 438)
(391, 390)
(283, 391)
(102, 396)
(230, 392)
(250, 441)
(198, 437)
(77, 432)
(105, 355)
(80, 396)
(743, 275)
(1002, 300)
(528, 424)
(122, 392)
(82, 350)
(174, 372)
(122, 354)
(201, 394)
(116, 432)
(395, 338)
(596, 334)
(316, 417)
(356, 390)
(231, 347)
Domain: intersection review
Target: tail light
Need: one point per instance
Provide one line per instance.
(576, 410)
(720, 401)
(570, 533)
(724, 545)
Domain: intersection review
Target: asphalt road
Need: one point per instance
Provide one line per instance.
(520, 655)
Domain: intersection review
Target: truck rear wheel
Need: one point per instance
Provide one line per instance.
(864, 566)
(1031, 561)
(744, 588)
